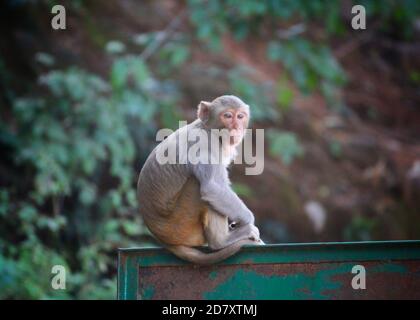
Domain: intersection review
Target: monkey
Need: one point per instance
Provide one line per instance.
(186, 204)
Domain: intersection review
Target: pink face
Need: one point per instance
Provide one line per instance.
(236, 121)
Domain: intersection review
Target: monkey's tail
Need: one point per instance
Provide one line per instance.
(198, 257)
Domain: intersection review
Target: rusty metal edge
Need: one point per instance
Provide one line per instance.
(292, 253)
(127, 278)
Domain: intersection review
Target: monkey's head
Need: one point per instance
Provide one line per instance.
(226, 112)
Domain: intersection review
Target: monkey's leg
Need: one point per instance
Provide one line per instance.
(219, 235)
(185, 223)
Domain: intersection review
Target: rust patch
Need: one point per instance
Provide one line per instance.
(182, 282)
(390, 280)
(384, 284)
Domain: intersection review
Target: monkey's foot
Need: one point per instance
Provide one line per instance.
(260, 242)
(255, 235)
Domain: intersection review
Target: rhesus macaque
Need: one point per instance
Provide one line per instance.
(186, 205)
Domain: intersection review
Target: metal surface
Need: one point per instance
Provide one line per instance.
(287, 271)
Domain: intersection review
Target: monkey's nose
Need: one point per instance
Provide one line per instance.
(234, 132)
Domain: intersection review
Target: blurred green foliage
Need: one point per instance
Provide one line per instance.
(76, 139)
(242, 190)
(80, 131)
(396, 16)
(311, 66)
(284, 145)
(256, 94)
(360, 228)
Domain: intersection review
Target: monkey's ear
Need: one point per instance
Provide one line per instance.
(203, 112)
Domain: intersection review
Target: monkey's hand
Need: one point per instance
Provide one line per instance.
(251, 231)
(245, 217)
(255, 233)
(215, 189)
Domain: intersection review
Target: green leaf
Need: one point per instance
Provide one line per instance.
(285, 146)
(242, 189)
(45, 59)
(131, 229)
(119, 73)
(285, 95)
(115, 47)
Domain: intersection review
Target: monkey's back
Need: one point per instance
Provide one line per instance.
(170, 202)
(158, 185)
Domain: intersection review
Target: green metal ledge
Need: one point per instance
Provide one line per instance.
(281, 271)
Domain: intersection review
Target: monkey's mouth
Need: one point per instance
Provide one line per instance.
(235, 139)
(235, 136)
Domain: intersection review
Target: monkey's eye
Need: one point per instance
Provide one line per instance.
(241, 116)
(227, 115)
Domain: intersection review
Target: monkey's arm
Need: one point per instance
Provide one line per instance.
(215, 189)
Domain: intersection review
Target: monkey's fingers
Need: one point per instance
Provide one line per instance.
(257, 241)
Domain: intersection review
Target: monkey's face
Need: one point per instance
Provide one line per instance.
(236, 121)
(228, 113)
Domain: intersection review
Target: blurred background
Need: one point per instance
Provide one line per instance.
(80, 109)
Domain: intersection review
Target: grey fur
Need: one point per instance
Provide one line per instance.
(215, 189)
(159, 184)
